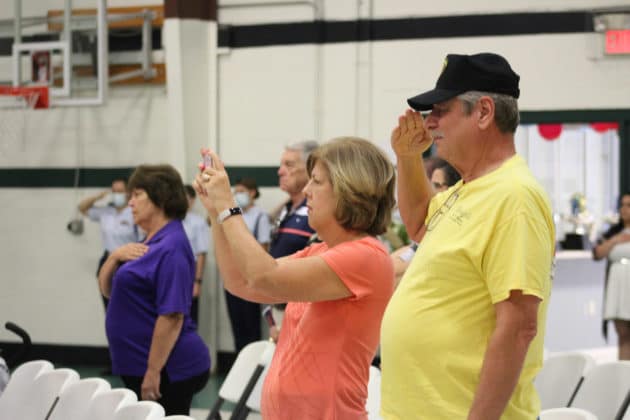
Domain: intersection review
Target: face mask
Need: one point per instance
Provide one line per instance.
(242, 199)
(119, 199)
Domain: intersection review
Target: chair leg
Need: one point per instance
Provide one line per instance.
(242, 401)
(624, 407)
(575, 391)
(244, 413)
(214, 413)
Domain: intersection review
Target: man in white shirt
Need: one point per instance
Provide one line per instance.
(198, 234)
(115, 219)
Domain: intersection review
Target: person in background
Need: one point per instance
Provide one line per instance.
(462, 336)
(614, 245)
(115, 219)
(291, 231)
(244, 315)
(337, 289)
(153, 343)
(442, 176)
(198, 235)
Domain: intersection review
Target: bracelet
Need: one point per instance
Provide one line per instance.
(233, 211)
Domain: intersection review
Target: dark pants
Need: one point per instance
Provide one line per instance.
(245, 320)
(108, 370)
(194, 311)
(100, 264)
(176, 396)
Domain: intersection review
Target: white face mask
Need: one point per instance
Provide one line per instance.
(242, 199)
(119, 199)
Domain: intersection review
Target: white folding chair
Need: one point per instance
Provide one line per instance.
(604, 390)
(74, 400)
(373, 403)
(254, 399)
(16, 394)
(141, 410)
(566, 414)
(104, 404)
(43, 395)
(559, 377)
(248, 364)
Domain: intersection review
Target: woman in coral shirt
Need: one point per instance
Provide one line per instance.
(337, 289)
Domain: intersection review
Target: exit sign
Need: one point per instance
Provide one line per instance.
(618, 41)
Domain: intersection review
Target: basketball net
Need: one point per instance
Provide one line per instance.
(16, 105)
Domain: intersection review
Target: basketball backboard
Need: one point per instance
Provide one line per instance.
(63, 44)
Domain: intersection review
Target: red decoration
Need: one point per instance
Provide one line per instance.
(602, 127)
(550, 131)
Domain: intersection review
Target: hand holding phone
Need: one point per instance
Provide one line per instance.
(268, 315)
(207, 161)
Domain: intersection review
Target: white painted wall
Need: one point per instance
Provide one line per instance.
(267, 97)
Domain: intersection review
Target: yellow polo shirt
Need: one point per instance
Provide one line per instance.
(485, 238)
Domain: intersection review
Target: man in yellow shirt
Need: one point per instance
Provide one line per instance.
(462, 337)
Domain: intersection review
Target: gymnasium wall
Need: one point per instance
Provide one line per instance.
(269, 94)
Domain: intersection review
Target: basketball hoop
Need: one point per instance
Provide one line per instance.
(16, 103)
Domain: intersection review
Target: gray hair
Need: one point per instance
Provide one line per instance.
(305, 148)
(505, 108)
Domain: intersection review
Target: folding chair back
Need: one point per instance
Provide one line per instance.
(604, 390)
(75, 399)
(566, 414)
(104, 404)
(559, 378)
(247, 363)
(373, 403)
(45, 391)
(16, 395)
(141, 410)
(254, 399)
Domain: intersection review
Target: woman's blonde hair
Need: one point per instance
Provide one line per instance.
(363, 180)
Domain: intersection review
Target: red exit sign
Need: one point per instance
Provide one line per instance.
(618, 41)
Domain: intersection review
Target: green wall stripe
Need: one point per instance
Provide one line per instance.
(267, 176)
(102, 177)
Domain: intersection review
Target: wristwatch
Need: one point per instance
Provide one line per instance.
(228, 213)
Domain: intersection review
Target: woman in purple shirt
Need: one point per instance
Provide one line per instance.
(152, 340)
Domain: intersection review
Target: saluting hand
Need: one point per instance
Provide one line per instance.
(410, 137)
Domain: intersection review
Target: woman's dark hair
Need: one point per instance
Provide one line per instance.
(164, 187)
(250, 184)
(190, 191)
(451, 176)
(620, 225)
(620, 199)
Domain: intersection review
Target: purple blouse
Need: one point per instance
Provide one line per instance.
(158, 283)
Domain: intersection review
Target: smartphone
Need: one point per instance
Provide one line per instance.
(207, 161)
(268, 315)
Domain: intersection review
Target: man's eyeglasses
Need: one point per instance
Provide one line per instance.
(444, 208)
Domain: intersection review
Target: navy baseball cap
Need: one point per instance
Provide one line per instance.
(485, 72)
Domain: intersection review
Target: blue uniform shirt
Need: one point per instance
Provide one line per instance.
(292, 231)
